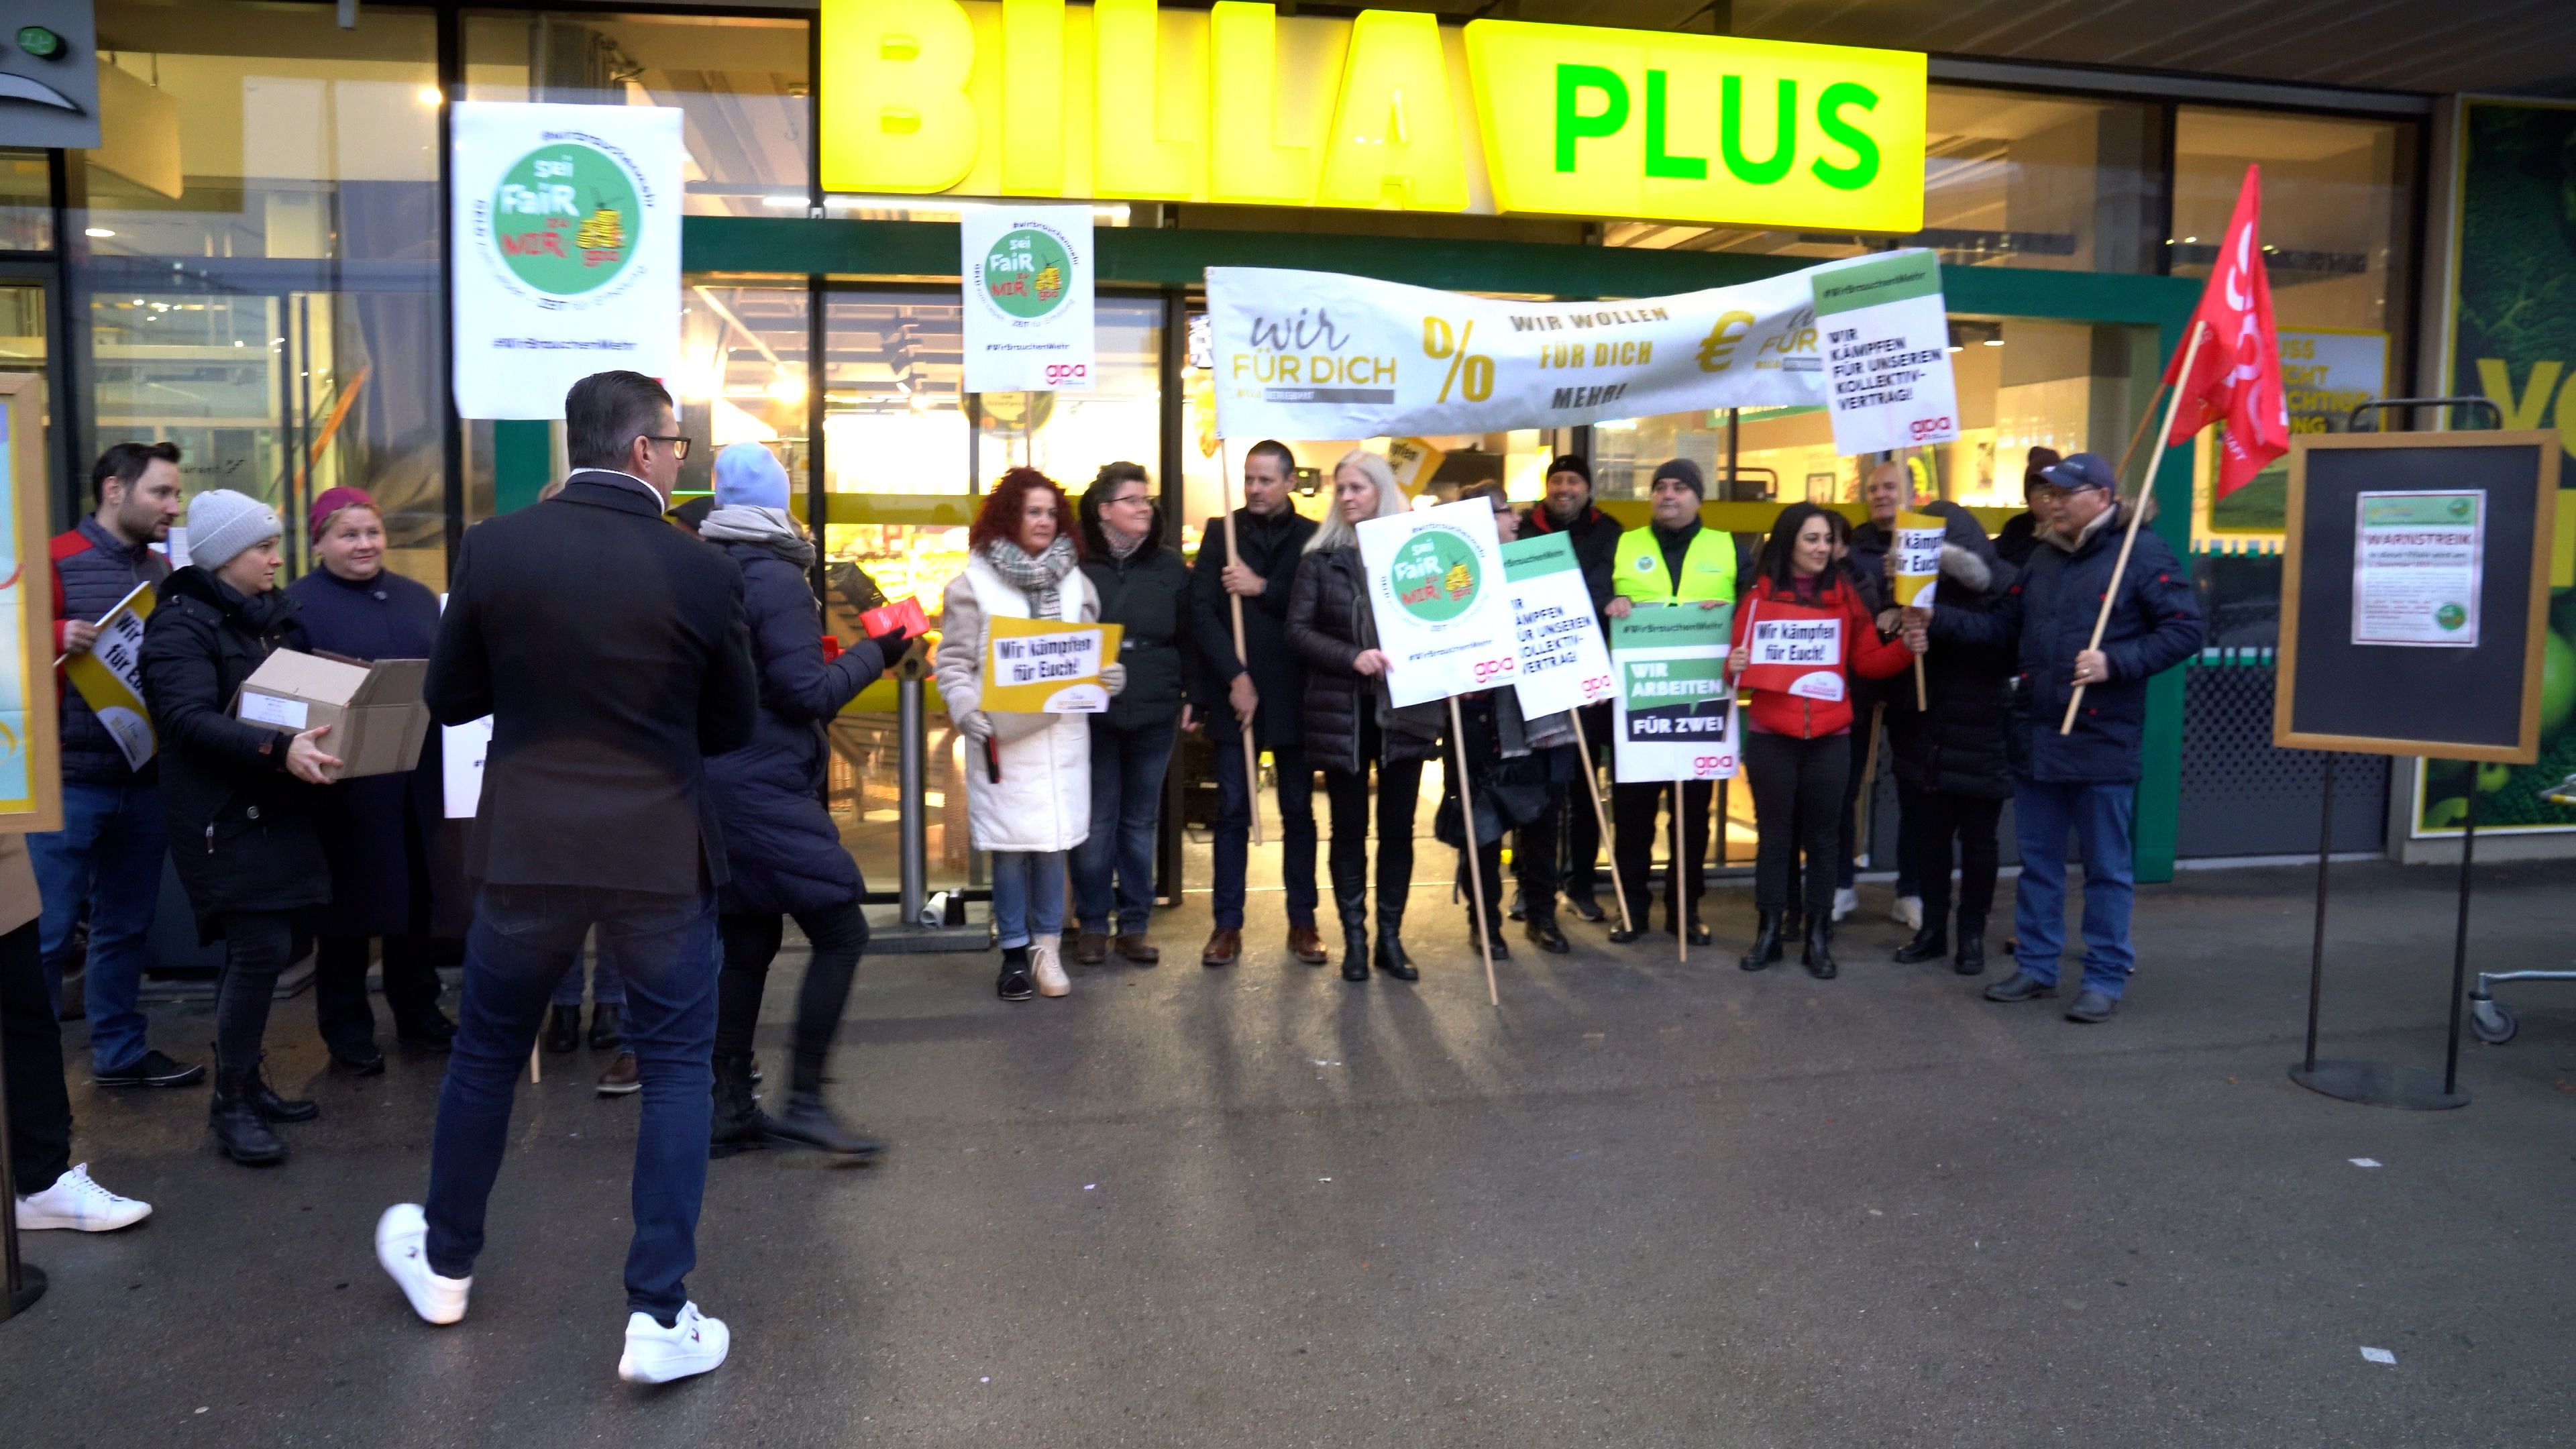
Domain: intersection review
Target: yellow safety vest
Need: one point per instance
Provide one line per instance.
(1708, 568)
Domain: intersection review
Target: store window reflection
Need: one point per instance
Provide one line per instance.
(26, 202)
(254, 257)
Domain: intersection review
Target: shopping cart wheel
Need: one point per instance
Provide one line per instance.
(2493, 1021)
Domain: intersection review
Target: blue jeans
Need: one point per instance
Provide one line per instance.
(1028, 896)
(607, 983)
(1231, 847)
(108, 854)
(2099, 816)
(1126, 802)
(522, 939)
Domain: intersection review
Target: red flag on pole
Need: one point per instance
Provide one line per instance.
(2237, 376)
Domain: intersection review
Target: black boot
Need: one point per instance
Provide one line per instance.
(808, 1123)
(1390, 957)
(563, 1029)
(604, 1029)
(1820, 953)
(1766, 941)
(1544, 931)
(1970, 958)
(1014, 984)
(1493, 937)
(238, 1128)
(1929, 944)
(739, 1124)
(1351, 902)
(272, 1107)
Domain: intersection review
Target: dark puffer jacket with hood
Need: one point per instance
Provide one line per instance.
(1329, 625)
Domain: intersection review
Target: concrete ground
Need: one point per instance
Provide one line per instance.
(1640, 1204)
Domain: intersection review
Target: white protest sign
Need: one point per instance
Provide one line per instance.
(1917, 555)
(1887, 352)
(1325, 355)
(1795, 652)
(1028, 316)
(566, 236)
(1564, 663)
(1435, 581)
(460, 760)
(1672, 716)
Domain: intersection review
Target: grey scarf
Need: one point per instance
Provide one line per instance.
(769, 528)
(1036, 576)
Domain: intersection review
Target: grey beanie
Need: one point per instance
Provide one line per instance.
(221, 523)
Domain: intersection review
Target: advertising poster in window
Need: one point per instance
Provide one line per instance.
(30, 785)
(2513, 340)
(566, 243)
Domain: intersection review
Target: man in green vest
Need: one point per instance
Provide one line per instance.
(1675, 560)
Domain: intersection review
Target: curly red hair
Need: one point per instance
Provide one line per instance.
(999, 517)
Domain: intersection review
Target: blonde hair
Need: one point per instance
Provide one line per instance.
(1335, 531)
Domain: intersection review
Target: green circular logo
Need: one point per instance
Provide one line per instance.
(1026, 271)
(565, 218)
(2450, 616)
(1435, 576)
(2459, 508)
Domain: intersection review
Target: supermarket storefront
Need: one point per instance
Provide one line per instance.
(250, 265)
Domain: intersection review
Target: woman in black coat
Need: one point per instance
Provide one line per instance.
(785, 855)
(378, 830)
(1145, 589)
(1349, 724)
(241, 799)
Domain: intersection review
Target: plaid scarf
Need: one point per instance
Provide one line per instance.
(1036, 576)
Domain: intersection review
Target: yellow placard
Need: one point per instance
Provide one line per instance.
(1917, 553)
(1046, 666)
(109, 676)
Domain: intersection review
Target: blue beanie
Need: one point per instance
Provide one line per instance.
(748, 476)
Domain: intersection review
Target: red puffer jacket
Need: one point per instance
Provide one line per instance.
(1864, 653)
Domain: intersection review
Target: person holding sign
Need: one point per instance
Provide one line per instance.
(1144, 589)
(1802, 632)
(1349, 724)
(2084, 782)
(1884, 493)
(1028, 773)
(1675, 560)
(107, 857)
(1569, 510)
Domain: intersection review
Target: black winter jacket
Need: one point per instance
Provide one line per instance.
(1272, 547)
(1329, 623)
(1595, 536)
(784, 852)
(1148, 594)
(244, 834)
(93, 573)
(378, 830)
(1956, 747)
(2047, 616)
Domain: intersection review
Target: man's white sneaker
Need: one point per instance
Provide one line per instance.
(400, 1234)
(693, 1344)
(1846, 901)
(1908, 912)
(77, 1203)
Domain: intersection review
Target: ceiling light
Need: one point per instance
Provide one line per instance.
(1954, 347)
(97, 231)
(430, 95)
(1994, 342)
(788, 387)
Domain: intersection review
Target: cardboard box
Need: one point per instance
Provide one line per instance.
(375, 711)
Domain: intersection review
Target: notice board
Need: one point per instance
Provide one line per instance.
(2415, 592)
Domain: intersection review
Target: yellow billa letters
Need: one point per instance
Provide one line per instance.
(1395, 138)
(1144, 145)
(1251, 167)
(1033, 77)
(896, 106)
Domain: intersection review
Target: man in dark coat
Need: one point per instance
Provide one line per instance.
(1569, 510)
(1879, 706)
(1258, 689)
(2083, 783)
(107, 857)
(611, 653)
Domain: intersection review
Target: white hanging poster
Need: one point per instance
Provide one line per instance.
(1028, 312)
(1435, 581)
(565, 232)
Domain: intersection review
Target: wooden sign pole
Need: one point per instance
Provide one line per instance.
(1678, 884)
(1234, 601)
(2129, 540)
(1592, 788)
(1467, 833)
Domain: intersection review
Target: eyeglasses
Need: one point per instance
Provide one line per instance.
(1129, 498)
(679, 444)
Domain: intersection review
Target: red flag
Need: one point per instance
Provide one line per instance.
(2237, 375)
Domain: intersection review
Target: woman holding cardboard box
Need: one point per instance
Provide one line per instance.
(241, 798)
(377, 831)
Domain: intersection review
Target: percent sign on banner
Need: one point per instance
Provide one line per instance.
(1470, 377)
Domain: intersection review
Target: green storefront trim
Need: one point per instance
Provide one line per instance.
(1140, 257)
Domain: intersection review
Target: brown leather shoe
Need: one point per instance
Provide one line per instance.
(1091, 948)
(1134, 946)
(1222, 947)
(622, 1077)
(1306, 945)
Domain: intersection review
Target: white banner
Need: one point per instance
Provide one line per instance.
(1887, 352)
(1564, 663)
(1435, 582)
(1324, 355)
(1028, 275)
(566, 238)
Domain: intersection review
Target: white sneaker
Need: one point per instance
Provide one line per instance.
(81, 1205)
(1846, 901)
(1908, 912)
(1048, 967)
(400, 1234)
(656, 1355)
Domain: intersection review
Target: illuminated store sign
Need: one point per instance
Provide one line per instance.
(1235, 105)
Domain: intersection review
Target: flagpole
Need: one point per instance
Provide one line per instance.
(2129, 539)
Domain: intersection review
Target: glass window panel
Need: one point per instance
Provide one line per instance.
(743, 81)
(256, 269)
(26, 202)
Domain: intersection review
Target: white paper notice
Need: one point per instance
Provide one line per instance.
(268, 709)
(2418, 559)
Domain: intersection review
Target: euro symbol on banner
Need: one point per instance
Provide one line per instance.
(1477, 382)
(1718, 348)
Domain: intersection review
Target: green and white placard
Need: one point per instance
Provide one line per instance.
(1564, 663)
(1886, 339)
(1435, 581)
(1673, 717)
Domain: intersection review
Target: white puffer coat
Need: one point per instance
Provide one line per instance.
(1043, 802)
